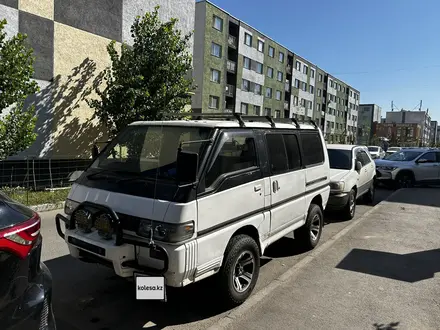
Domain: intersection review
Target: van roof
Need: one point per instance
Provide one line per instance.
(342, 146)
(222, 124)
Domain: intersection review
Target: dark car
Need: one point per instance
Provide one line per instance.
(25, 282)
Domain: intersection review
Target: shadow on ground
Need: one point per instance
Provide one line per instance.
(89, 296)
(390, 326)
(411, 267)
(428, 196)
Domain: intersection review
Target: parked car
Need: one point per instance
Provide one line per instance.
(352, 175)
(25, 282)
(217, 194)
(392, 150)
(410, 166)
(376, 152)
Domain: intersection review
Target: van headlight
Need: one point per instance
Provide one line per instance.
(70, 206)
(338, 186)
(166, 232)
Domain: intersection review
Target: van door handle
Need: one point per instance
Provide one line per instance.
(257, 188)
(274, 186)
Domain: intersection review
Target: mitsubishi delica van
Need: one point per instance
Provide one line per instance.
(183, 200)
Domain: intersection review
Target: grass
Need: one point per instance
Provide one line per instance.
(32, 198)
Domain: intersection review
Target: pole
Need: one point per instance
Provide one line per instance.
(420, 108)
(392, 106)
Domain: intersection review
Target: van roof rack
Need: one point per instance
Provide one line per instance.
(242, 118)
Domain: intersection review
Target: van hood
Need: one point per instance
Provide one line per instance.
(337, 175)
(136, 206)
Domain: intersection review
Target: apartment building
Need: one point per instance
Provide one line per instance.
(69, 39)
(399, 134)
(239, 69)
(368, 114)
(433, 139)
(413, 117)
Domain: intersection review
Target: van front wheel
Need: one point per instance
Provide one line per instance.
(309, 234)
(240, 270)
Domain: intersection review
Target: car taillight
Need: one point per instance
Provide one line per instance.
(20, 238)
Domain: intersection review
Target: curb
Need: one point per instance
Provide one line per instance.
(47, 207)
(227, 320)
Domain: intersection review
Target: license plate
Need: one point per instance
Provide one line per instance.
(149, 287)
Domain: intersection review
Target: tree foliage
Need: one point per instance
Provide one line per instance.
(148, 78)
(17, 123)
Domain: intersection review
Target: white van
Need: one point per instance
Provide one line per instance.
(186, 199)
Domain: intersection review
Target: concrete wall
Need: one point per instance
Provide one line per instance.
(69, 38)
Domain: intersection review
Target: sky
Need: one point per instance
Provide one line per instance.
(389, 50)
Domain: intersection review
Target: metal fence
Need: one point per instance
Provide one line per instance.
(35, 173)
(35, 180)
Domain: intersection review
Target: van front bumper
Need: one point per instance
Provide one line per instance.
(134, 255)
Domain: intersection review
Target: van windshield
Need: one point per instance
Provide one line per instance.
(151, 151)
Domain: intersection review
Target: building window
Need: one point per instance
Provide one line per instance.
(337, 99)
(298, 66)
(214, 102)
(269, 92)
(333, 125)
(303, 103)
(246, 62)
(319, 92)
(310, 104)
(277, 113)
(245, 85)
(269, 72)
(278, 95)
(312, 73)
(259, 67)
(244, 108)
(258, 88)
(295, 101)
(296, 83)
(215, 75)
(217, 23)
(260, 46)
(281, 57)
(267, 111)
(257, 110)
(216, 50)
(304, 86)
(318, 106)
(280, 76)
(351, 93)
(320, 77)
(305, 69)
(248, 39)
(271, 51)
(311, 89)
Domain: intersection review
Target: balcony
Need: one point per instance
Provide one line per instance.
(229, 90)
(232, 41)
(287, 86)
(289, 69)
(286, 105)
(231, 66)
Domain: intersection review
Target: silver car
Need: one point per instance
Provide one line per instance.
(376, 152)
(407, 167)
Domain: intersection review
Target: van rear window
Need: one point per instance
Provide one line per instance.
(312, 148)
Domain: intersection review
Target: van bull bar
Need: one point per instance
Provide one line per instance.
(87, 216)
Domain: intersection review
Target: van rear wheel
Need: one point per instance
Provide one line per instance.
(241, 268)
(309, 234)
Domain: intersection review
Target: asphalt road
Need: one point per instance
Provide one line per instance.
(89, 296)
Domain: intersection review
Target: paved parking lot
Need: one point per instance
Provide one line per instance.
(88, 296)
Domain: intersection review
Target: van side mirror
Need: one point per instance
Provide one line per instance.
(358, 166)
(187, 166)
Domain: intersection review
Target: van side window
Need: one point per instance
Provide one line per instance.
(237, 153)
(277, 153)
(312, 148)
(293, 153)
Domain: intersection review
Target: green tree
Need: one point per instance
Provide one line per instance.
(148, 78)
(17, 123)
